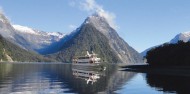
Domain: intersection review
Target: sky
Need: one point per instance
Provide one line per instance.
(141, 23)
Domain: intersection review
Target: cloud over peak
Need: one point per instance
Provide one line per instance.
(90, 6)
(1, 10)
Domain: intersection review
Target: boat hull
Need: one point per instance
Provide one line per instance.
(96, 66)
(85, 64)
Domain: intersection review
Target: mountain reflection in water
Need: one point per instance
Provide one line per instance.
(58, 79)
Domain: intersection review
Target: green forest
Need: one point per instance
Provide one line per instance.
(16, 53)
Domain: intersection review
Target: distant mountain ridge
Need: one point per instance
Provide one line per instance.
(56, 46)
(38, 40)
(95, 34)
(26, 37)
(185, 37)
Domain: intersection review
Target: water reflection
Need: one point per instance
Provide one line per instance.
(90, 76)
(169, 83)
(29, 79)
(59, 79)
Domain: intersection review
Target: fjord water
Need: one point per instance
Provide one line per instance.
(43, 78)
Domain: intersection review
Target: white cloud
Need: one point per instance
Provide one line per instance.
(1, 10)
(91, 6)
(72, 27)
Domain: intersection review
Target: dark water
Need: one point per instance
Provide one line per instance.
(63, 78)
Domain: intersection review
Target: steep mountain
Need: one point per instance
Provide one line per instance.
(11, 52)
(6, 29)
(184, 36)
(26, 37)
(95, 34)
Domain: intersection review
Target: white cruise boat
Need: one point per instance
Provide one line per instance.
(88, 60)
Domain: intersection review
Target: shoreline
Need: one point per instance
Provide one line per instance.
(164, 70)
(34, 63)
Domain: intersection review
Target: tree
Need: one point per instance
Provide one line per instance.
(170, 54)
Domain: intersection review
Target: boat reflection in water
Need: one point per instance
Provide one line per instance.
(89, 75)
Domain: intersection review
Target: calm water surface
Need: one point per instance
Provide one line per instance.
(63, 78)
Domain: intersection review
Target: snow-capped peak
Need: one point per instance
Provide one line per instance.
(25, 29)
(58, 34)
(185, 37)
(186, 34)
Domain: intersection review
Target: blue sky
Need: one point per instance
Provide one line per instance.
(141, 23)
